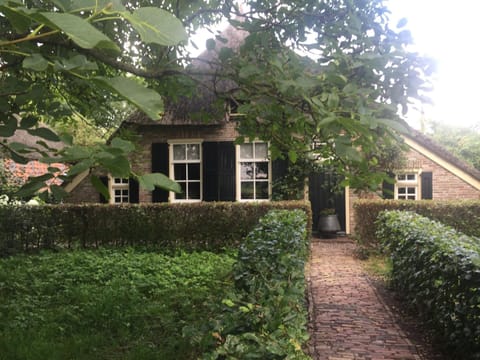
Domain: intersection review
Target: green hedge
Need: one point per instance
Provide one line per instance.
(199, 226)
(266, 318)
(463, 216)
(437, 269)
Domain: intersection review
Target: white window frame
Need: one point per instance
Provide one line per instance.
(238, 182)
(172, 162)
(408, 183)
(123, 184)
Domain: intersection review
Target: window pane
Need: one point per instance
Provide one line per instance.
(411, 190)
(246, 151)
(401, 190)
(246, 171)
(179, 152)
(411, 197)
(182, 195)
(247, 190)
(401, 177)
(261, 150)
(193, 171)
(194, 190)
(193, 152)
(411, 177)
(262, 189)
(180, 171)
(261, 170)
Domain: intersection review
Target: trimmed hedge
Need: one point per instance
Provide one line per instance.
(199, 226)
(464, 216)
(436, 269)
(266, 317)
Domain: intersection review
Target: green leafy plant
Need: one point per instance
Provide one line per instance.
(199, 226)
(266, 316)
(110, 304)
(437, 270)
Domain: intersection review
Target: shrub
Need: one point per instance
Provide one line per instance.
(200, 226)
(464, 216)
(266, 317)
(437, 269)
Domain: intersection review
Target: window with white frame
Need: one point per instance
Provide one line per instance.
(407, 186)
(186, 170)
(254, 168)
(119, 190)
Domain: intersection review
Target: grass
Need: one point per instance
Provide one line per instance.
(378, 266)
(110, 304)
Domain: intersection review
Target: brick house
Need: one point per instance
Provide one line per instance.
(203, 158)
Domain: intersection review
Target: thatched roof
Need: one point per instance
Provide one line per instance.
(204, 107)
(440, 151)
(33, 142)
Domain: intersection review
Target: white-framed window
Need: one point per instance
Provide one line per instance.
(254, 171)
(407, 186)
(186, 169)
(119, 189)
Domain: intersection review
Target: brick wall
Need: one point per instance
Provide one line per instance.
(141, 159)
(446, 185)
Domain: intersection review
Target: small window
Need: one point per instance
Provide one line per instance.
(407, 186)
(119, 190)
(254, 169)
(186, 170)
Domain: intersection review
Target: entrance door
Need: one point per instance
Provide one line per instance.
(322, 195)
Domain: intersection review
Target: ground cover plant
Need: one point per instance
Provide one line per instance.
(110, 304)
(437, 270)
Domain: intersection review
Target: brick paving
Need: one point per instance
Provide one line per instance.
(348, 319)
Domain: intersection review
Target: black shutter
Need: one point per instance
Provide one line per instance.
(388, 187)
(104, 180)
(160, 165)
(218, 171)
(133, 191)
(279, 169)
(210, 171)
(427, 185)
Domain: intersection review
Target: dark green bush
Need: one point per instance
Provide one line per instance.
(464, 216)
(266, 318)
(200, 226)
(437, 270)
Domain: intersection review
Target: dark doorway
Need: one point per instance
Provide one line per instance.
(323, 195)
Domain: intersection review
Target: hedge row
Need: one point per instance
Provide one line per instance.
(266, 317)
(464, 216)
(437, 269)
(199, 226)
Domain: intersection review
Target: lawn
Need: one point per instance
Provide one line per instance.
(110, 304)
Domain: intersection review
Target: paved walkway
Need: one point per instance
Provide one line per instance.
(348, 318)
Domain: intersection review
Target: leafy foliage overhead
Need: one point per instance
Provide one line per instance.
(60, 59)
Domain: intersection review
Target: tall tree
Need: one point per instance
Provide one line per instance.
(318, 79)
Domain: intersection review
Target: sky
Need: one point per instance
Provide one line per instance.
(447, 31)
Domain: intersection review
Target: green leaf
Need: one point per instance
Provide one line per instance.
(19, 20)
(292, 155)
(157, 26)
(33, 185)
(79, 30)
(44, 133)
(100, 186)
(80, 167)
(210, 44)
(58, 192)
(124, 145)
(28, 122)
(78, 62)
(142, 97)
(35, 62)
(9, 127)
(118, 166)
(18, 158)
(150, 181)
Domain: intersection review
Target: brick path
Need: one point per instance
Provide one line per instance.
(348, 319)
